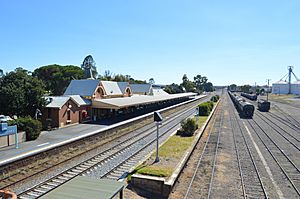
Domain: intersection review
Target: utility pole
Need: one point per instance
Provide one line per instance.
(268, 80)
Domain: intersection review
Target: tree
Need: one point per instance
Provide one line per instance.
(57, 77)
(188, 85)
(173, 89)
(151, 80)
(208, 87)
(232, 87)
(20, 93)
(245, 88)
(199, 82)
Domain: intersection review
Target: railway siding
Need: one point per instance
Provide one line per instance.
(155, 184)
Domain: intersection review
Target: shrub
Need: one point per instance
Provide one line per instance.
(215, 98)
(188, 127)
(31, 126)
(205, 108)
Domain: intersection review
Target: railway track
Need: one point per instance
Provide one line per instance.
(287, 135)
(106, 161)
(287, 117)
(284, 162)
(284, 121)
(205, 169)
(252, 185)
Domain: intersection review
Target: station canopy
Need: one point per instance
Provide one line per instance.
(135, 100)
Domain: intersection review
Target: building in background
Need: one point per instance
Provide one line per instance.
(285, 84)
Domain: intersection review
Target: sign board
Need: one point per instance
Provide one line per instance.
(7, 130)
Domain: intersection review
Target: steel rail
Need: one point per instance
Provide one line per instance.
(284, 121)
(216, 154)
(83, 167)
(201, 156)
(10, 178)
(287, 115)
(245, 188)
(280, 133)
(274, 157)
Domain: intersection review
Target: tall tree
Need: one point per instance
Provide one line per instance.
(199, 82)
(20, 93)
(188, 85)
(151, 80)
(208, 87)
(57, 77)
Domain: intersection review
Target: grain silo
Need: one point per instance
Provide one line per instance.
(285, 86)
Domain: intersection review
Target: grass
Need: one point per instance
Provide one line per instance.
(170, 154)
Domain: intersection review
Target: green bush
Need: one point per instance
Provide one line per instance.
(31, 126)
(215, 98)
(188, 127)
(205, 108)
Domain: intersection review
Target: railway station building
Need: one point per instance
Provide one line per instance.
(95, 100)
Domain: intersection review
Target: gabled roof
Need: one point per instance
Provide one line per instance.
(140, 88)
(56, 101)
(83, 87)
(80, 101)
(117, 103)
(59, 101)
(111, 88)
(123, 86)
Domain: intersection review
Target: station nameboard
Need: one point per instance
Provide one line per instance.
(7, 130)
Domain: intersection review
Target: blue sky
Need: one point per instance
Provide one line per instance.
(238, 42)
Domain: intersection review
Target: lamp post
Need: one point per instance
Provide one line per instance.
(268, 80)
(157, 119)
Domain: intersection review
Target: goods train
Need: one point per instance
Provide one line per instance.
(263, 105)
(245, 108)
(249, 96)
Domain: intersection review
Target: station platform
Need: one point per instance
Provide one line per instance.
(47, 140)
(52, 139)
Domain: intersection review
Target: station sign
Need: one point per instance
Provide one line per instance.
(7, 130)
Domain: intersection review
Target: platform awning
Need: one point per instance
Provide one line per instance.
(87, 187)
(117, 103)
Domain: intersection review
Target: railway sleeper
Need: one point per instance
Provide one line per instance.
(72, 173)
(68, 175)
(47, 187)
(120, 172)
(63, 178)
(52, 184)
(23, 197)
(33, 194)
(58, 181)
(40, 190)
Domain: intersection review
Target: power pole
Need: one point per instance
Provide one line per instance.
(268, 80)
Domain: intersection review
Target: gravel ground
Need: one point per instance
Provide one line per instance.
(227, 181)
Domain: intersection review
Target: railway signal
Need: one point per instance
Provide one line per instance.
(158, 120)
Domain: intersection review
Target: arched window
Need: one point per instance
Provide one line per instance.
(128, 91)
(100, 92)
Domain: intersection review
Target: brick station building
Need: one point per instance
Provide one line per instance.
(94, 100)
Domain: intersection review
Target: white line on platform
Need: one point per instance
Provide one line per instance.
(265, 164)
(43, 144)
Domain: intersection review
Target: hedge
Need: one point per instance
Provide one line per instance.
(31, 126)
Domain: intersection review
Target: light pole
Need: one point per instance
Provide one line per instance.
(268, 80)
(157, 119)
